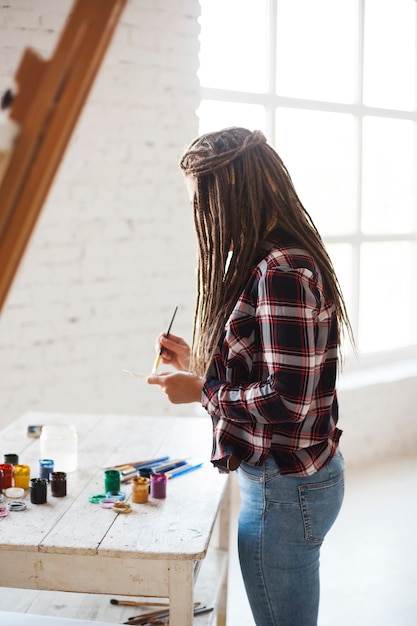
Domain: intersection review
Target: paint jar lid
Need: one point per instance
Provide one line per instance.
(16, 505)
(96, 497)
(108, 503)
(14, 492)
(12, 458)
(117, 495)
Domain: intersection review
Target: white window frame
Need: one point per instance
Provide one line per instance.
(271, 102)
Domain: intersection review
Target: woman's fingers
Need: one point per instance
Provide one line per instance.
(175, 351)
(180, 387)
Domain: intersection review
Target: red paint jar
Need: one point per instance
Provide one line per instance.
(7, 470)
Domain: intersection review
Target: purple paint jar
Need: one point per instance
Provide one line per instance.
(158, 486)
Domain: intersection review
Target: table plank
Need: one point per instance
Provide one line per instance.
(84, 574)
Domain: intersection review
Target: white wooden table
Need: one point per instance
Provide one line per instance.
(69, 544)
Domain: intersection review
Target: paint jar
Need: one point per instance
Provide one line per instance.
(58, 482)
(140, 489)
(38, 490)
(60, 443)
(145, 471)
(1, 483)
(111, 480)
(13, 459)
(46, 466)
(7, 470)
(158, 486)
(21, 476)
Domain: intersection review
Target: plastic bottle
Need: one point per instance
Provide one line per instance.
(59, 442)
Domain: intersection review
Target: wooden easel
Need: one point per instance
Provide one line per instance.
(49, 100)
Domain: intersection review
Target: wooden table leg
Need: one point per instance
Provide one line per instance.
(224, 543)
(181, 593)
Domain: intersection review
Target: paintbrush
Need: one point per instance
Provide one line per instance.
(183, 469)
(137, 603)
(158, 357)
(155, 616)
(138, 464)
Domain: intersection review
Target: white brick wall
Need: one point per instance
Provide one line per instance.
(114, 249)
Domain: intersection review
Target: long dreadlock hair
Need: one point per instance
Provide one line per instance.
(243, 191)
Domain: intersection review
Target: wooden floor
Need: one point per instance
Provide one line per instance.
(76, 606)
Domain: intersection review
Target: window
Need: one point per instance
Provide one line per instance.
(332, 85)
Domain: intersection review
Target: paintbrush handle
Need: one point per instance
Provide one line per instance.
(158, 356)
(137, 603)
(156, 364)
(148, 617)
(145, 617)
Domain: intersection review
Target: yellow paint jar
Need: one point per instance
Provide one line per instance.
(140, 489)
(21, 476)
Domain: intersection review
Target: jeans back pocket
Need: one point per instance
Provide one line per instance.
(320, 506)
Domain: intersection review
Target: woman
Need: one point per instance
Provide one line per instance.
(268, 324)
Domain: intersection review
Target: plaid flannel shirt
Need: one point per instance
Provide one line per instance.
(271, 387)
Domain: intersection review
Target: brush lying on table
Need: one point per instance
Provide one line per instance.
(157, 617)
(171, 467)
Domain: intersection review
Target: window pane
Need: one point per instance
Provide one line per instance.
(389, 72)
(387, 185)
(316, 49)
(318, 149)
(233, 44)
(386, 294)
(215, 115)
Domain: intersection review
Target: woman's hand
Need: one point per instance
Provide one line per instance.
(175, 352)
(180, 387)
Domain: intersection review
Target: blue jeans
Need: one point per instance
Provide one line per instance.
(282, 523)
